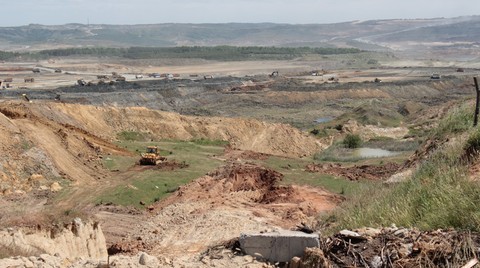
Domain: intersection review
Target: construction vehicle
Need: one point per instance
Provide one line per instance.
(151, 156)
(81, 82)
(26, 98)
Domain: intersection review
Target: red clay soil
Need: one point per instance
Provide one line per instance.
(355, 173)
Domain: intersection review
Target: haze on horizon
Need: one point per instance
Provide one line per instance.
(56, 12)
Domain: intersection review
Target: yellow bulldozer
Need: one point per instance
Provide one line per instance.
(151, 156)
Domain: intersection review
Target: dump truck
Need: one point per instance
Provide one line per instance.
(151, 156)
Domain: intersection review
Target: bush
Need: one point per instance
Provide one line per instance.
(352, 141)
(472, 146)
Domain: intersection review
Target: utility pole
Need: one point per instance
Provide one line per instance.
(475, 119)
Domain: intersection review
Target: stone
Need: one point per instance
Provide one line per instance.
(376, 262)
(279, 246)
(401, 232)
(37, 177)
(55, 187)
(370, 232)
(348, 233)
(405, 250)
(148, 260)
(314, 257)
(295, 262)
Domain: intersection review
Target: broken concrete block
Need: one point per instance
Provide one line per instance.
(278, 246)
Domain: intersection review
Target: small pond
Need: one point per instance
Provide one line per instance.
(373, 152)
(323, 120)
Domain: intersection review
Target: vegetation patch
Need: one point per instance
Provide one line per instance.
(133, 136)
(352, 141)
(153, 184)
(294, 173)
(440, 194)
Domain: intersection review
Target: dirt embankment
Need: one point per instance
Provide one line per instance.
(42, 142)
(245, 134)
(36, 151)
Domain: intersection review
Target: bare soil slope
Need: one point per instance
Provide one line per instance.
(217, 207)
(245, 134)
(42, 142)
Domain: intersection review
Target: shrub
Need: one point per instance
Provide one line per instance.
(352, 141)
(472, 146)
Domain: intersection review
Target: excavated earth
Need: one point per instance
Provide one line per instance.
(50, 145)
(357, 172)
(217, 207)
(44, 141)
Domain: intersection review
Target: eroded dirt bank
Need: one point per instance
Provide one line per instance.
(44, 141)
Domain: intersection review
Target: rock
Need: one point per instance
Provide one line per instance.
(350, 127)
(248, 258)
(376, 262)
(314, 257)
(280, 246)
(405, 250)
(348, 233)
(371, 232)
(148, 260)
(43, 188)
(401, 232)
(295, 262)
(28, 264)
(36, 177)
(55, 187)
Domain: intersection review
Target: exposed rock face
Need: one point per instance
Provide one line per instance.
(77, 239)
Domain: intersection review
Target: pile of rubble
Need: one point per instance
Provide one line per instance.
(393, 247)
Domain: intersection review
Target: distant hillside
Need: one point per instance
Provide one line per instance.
(371, 35)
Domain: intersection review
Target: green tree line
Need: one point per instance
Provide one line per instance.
(201, 52)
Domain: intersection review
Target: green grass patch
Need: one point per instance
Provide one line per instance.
(203, 141)
(133, 136)
(119, 163)
(457, 121)
(294, 173)
(152, 185)
(337, 153)
(148, 187)
(440, 194)
(394, 145)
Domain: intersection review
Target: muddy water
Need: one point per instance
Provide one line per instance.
(323, 120)
(373, 152)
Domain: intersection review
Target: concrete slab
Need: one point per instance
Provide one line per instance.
(278, 246)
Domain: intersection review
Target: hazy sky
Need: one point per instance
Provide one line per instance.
(51, 12)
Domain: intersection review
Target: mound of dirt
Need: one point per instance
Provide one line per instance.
(218, 207)
(355, 173)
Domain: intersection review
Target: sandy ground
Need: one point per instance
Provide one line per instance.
(88, 69)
